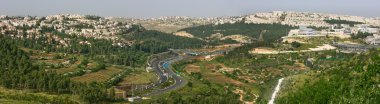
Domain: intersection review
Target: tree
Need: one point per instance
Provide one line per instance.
(112, 93)
(295, 44)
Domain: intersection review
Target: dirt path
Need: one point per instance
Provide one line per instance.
(276, 90)
(271, 51)
(242, 93)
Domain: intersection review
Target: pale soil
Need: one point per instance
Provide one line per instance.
(164, 27)
(70, 68)
(238, 38)
(100, 76)
(290, 40)
(139, 78)
(272, 51)
(248, 78)
(191, 68)
(242, 93)
(210, 73)
(184, 34)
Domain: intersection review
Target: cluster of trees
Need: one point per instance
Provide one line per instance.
(355, 81)
(17, 72)
(92, 17)
(295, 44)
(274, 31)
(360, 35)
(118, 78)
(37, 98)
(154, 41)
(338, 21)
(99, 66)
(240, 55)
(100, 49)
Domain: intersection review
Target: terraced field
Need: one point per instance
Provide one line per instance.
(11, 96)
(139, 77)
(100, 76)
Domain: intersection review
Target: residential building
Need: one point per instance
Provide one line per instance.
(373, 40)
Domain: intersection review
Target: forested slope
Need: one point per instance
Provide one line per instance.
(354, 82)
(17, 72)
(154, 41)
(274, 31)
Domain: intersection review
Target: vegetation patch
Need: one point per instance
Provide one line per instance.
(338, 21)
(353, 81)
(139, 77)
(9, 96)
(274, 31)
(100, 76)
(209, 72)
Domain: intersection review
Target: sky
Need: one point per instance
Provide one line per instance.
(192, 8)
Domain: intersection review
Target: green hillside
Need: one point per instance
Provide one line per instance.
(274, 31)
(354, 82)
(154, 41)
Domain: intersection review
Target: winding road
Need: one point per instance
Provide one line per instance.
(163, 70)
(161, 63)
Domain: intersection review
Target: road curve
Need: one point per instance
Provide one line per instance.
(163, 70)
(161, 67)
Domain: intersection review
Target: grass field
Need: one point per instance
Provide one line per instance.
(208, 70)
(10, 96)
(10, 101)
(139, 77)
(100, 76)
(306, 47)
(74, 67)
(41, 57)
(293, 83)
(70, 68)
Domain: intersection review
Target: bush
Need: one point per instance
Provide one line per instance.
(296, 44)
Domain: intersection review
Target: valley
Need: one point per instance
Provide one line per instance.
(252, 59)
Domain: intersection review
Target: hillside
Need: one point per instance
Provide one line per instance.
(354, 81)
(274, 31)
(154, 41)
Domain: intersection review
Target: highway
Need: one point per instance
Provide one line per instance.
(161, 63)
(163, 70)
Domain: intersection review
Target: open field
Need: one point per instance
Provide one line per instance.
(191, 68)
(168, 28)
(60, 61)
(38, 54)
(11, 96)
(293, 83)
(70, 68)
(209, 72)
(305, 47)
(11, 101)
(139, 77)
(100, 76)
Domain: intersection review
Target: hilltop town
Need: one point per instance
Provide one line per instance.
(111, 27)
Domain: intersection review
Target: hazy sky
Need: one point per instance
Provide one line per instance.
(194, 8)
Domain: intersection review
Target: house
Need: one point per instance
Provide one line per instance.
(303, 31)
(306, 31)
(374, 40)
(367, 29)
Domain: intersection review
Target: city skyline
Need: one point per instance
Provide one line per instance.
(194, 8)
